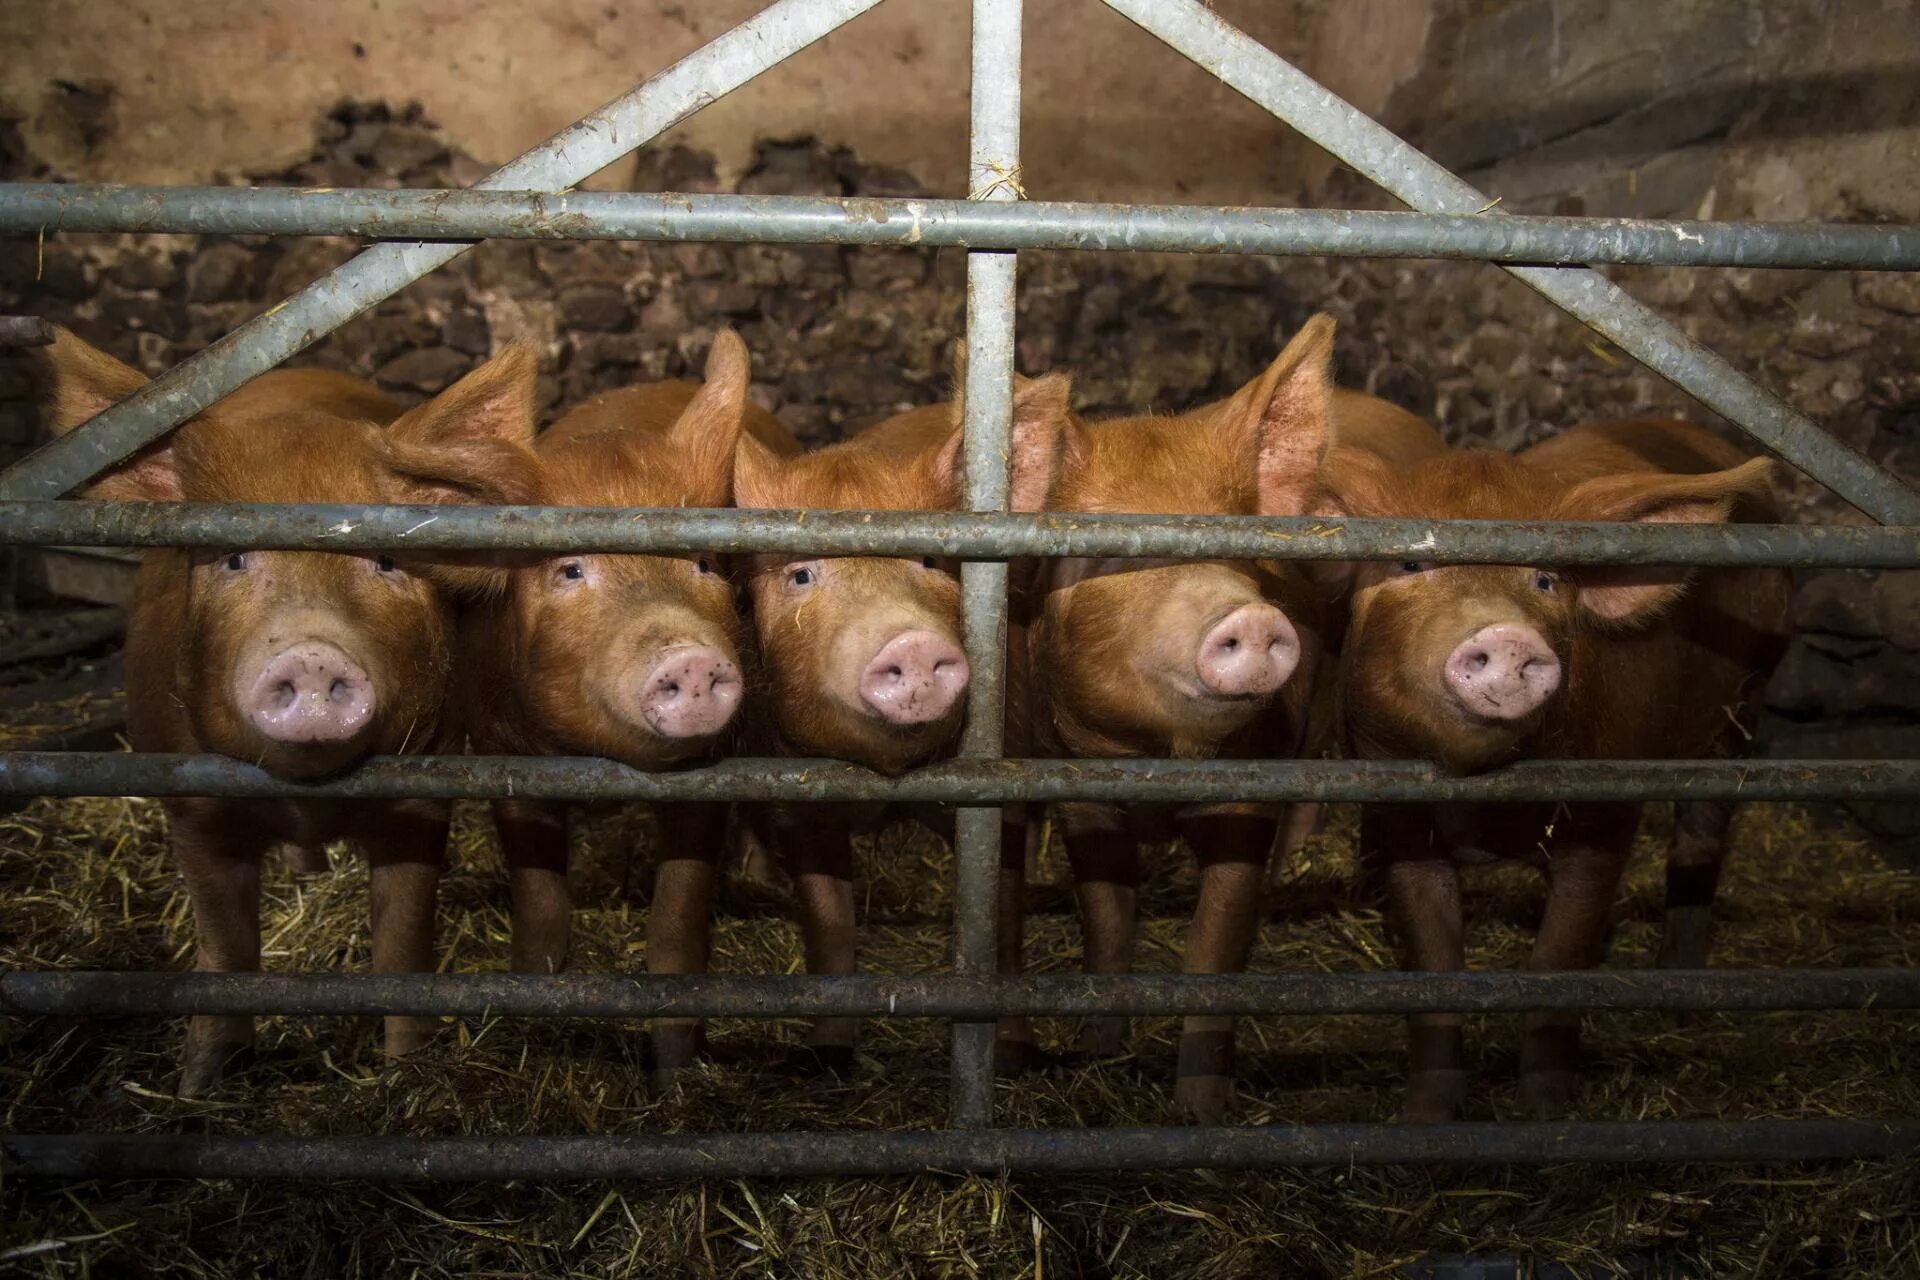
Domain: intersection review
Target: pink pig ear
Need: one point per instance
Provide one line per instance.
(1281, 417)
(81, 381)
(1633, 595)
(1040, 427)
(706, 434)
(472, 443)
(1353, 482)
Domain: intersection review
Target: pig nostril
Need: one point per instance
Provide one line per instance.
(1232, 644)
(1478, 661)
(896, 673)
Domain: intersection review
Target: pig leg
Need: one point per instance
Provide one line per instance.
(820, 859)
(1693, 874)
(1302, 824)
(406, 845)
(1232, 845)
(1106, 881)
(1581, 881)
(221, 865)
(679, 923)
(533, 843)
(1400, 850)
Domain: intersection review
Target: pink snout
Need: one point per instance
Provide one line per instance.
(915, 678)
(691, 693)
(1503, 672)
(1249, 653)
(311, 692)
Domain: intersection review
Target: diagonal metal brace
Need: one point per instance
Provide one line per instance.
(1243, 64)
(569, 157)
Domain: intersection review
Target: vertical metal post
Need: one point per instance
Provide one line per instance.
(993, 174)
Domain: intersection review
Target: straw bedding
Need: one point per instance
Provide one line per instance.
(87, 884)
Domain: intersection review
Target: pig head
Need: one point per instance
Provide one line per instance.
(864, 653)
(631, 657)
(302, 662)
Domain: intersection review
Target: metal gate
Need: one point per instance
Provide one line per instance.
(423, 230)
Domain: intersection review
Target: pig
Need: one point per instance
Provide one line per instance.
(301, 662)
(1191, 660)
(864, 654)
(1472, 667)
(633, 657)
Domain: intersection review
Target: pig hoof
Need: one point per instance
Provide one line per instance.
(303, 860)
(833, 1060)
(1204, 1099)
(1548, 1094)
(1433, 1097)
(1103, 1038)
(204, 1063)
(672, 1048)
(1684, 943)
(405, 1036)
(1017, 1057)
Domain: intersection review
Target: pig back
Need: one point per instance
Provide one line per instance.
(650, 410)
(1685, 685)
(1361, 421)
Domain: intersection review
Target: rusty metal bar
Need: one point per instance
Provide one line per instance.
(571, 156)
(35, 208)
(639, 995)
(1267, 79)
(967, 782)
(793, 1155)
(993, 168)
(975, 535)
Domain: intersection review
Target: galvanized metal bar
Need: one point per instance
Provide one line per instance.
(993, 168)
(603, 995)
(967, 782)
(976, 535)
(569, 157)
(799, 1155)
(38, 207)
(24, 331)
(1263, 76)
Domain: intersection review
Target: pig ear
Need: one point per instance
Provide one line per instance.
(80, 382)
(1634, 595)
(472, 443)
(1353, 482)
(1041, 423)
(1283, 415)
(706, 434)
(756, 473)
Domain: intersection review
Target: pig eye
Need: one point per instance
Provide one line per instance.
(236, 562)
(801, 577)
(572, 571)
(1543, 582)
(1413, 566)
(928, 561)
(384, 564)
(703, 565)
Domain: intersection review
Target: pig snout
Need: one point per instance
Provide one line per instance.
(915, 678)
(691, 693)
(310, 692)
(1503, 672)
(1249, 653)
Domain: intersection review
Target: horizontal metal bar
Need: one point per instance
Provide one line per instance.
(578, 151)
(870, 995)
(1251, 69)
(24, 331)
(794, 1155)
(966, 782)
(38, 208)
(973, 535)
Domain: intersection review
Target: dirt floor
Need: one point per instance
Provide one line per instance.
(86, 884)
